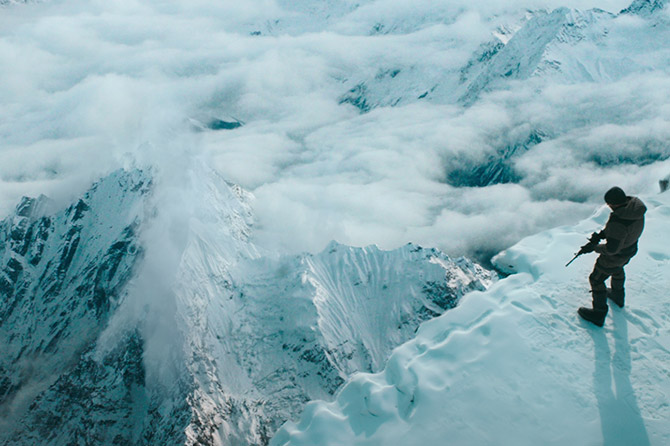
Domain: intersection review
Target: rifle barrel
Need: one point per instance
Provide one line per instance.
(573, 259)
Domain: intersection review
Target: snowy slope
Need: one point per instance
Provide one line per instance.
(571, 46)
(548, 44)
(515, 364)
(144, 314)
(264, 334)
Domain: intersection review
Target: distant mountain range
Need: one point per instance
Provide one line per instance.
(566, 45)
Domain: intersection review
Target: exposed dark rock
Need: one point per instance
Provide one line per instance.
(497, 168)
(357, 97)
(219, 124)
(644, 7)
(52, 309)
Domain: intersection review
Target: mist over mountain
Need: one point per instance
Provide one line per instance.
(214, 213)
(98, 350)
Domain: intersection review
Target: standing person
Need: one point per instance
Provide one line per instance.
(621, 233)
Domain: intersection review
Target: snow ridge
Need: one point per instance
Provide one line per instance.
(535, 50)
(515, 364)
(645, 8)
(271, 333)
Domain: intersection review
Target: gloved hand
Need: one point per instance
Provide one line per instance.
(589, 247)
(596, 237)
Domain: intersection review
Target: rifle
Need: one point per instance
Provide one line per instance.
(589, 247)
(576, 255)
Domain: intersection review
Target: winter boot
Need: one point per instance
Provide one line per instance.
(616, 293)
(596, 315)
(617, 296)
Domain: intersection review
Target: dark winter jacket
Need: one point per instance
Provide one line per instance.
(623, 229)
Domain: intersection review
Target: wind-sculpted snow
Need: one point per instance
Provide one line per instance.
(515, 364)
(369, 301)
(163, 318)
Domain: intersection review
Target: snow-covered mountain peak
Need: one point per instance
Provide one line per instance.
(539, 49)
(380, 292)
(645, 8)
(563, 45)
(276, 331)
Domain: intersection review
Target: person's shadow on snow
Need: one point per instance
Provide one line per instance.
(620, 418)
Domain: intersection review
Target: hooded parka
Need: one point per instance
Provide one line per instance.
(622, 231)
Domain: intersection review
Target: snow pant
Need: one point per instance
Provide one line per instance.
(610, 266)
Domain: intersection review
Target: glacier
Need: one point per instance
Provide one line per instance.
(516, 365)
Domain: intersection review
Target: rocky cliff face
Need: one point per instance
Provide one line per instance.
(62, 275)
(224, 348)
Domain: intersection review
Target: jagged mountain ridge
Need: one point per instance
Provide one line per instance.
(645, 7)
(560, 47)
(566, 45)
(542, 47)
(271, 333)
(62, 275)
(572, 46)
(235, 346)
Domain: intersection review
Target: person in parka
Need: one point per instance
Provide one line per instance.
(621, 233)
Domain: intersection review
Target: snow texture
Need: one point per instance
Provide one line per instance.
(147, 313)
(516, 365)
(264, 334)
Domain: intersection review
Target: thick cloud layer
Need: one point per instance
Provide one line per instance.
(89, 86)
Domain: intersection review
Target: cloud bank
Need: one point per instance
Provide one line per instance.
(90, 86)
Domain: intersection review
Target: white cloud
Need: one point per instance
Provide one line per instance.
(88, 86)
